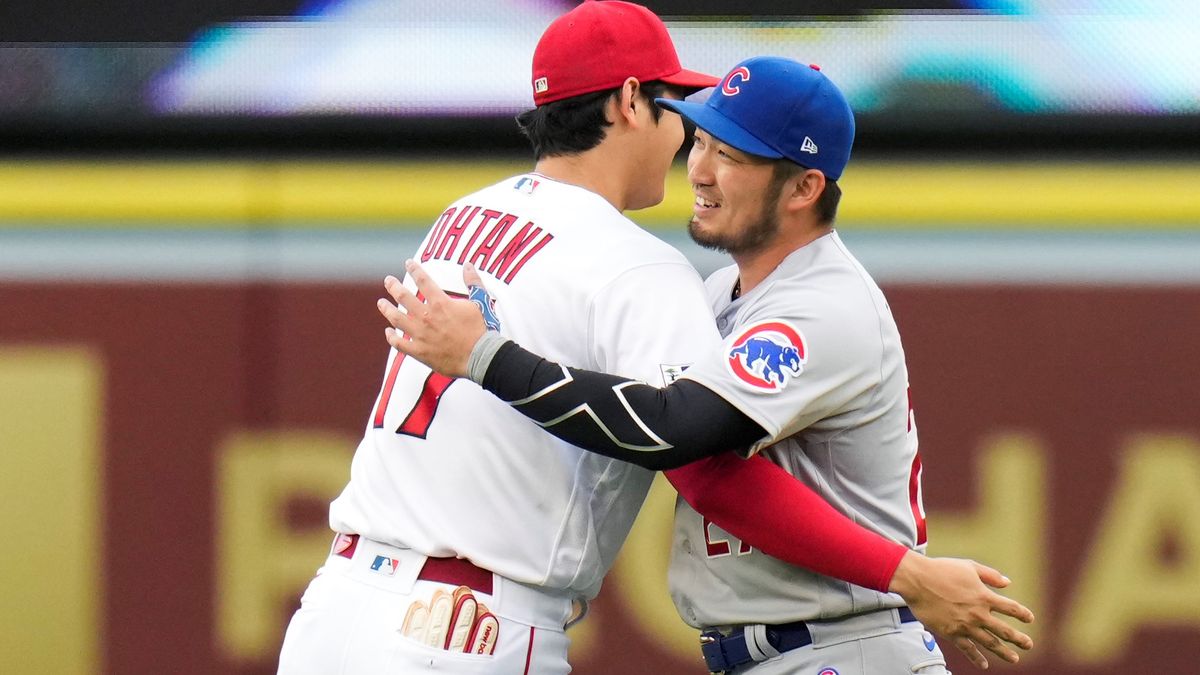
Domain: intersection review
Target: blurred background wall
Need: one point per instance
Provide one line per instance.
(198, 202)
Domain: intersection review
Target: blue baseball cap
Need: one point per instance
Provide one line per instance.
(775, 107)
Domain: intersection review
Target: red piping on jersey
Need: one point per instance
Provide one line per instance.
(561, 182)
(529, 651)
(914, 486)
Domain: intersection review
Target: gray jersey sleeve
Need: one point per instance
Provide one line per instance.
(800, 354)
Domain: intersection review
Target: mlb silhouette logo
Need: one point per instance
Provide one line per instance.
(385, 565)
(526, 185)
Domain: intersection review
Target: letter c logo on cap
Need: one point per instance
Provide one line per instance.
(728, 87)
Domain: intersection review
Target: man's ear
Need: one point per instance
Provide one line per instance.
(628, 101)
(803, 189)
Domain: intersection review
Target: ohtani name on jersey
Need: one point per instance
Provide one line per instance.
(485, 238)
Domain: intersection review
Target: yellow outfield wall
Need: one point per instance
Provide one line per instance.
(311, 193)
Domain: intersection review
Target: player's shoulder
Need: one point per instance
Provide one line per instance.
(612, 238)
(823, 289)
(576, 213)
(644, 247)
(510, 189)
(838, 257)
(827, 274)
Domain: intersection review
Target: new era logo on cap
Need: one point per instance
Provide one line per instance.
(541, 86)
(808, 146)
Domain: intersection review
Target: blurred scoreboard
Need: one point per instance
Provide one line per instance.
(310, 74)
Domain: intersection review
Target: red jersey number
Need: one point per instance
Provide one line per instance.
(416, 423)
(719, 548)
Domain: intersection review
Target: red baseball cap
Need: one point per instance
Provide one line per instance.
(600, 44)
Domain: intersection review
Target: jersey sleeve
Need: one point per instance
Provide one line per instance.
(646, 327)
(775, 375)
(798, 356)
(655, 428)
(798, 527)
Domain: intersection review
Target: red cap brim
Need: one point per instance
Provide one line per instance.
(690, 79)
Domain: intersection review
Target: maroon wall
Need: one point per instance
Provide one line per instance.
(1085, 371)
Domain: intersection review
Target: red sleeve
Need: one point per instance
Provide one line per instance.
(766, 507)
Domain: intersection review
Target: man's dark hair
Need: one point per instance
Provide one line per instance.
(577, 124)
(827, 203)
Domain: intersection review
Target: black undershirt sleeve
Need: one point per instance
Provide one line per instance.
(656, 428)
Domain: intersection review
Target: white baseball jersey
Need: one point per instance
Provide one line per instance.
(449, 470)
(813, 355)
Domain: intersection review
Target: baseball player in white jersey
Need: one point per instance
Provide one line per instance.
(465, 534)
(811, 373)
(466, 537)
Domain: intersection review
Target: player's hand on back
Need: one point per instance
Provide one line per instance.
(442, 331)
(952, 598)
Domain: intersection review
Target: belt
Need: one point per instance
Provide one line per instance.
(723, 653)
(453, 571)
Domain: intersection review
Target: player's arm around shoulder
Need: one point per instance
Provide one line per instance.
(618, 415)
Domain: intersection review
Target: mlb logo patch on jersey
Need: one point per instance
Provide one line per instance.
(767, 355)
(527, 184)
(385, 565)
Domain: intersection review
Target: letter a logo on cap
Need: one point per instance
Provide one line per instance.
(728, 87)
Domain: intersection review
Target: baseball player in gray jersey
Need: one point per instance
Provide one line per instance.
(811, 374)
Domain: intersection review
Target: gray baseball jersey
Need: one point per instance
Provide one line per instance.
(813, 355)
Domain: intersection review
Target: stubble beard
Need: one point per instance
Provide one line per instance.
(751, 238)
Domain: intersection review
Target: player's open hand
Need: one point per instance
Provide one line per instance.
(439, 332)
(952, 598)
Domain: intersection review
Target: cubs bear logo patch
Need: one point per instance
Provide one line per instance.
(767, 355)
